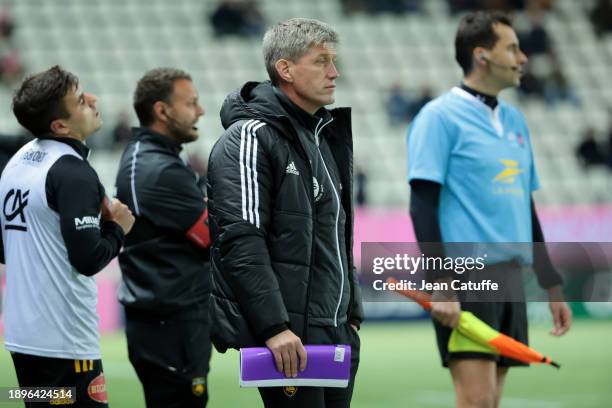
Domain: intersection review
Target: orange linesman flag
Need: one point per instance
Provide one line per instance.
(478, 331)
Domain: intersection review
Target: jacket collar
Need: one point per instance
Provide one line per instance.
(303, 117)
(76, 144)
(157, 138)
(489, 100)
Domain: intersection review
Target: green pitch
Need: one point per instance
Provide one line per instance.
(400, 368)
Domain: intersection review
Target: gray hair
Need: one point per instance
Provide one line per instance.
(292, 39)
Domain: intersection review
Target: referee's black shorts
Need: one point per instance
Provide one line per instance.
(86, 376)
(509, 318)
(504, 310)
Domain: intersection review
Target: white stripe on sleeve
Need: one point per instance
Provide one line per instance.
(249, 173)
(256, 185)
(242, 172)
(133, 178)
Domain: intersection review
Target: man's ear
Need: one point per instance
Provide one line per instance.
(479, 54)
(58, 127)
(159, 111)
(283, 68)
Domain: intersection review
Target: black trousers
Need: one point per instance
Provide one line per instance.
(85, 375)
(171, 359)
(319, 397)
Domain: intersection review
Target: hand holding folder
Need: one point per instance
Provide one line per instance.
(328, 366)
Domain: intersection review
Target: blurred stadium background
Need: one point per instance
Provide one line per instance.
(391, 52)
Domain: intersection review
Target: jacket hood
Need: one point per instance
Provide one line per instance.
(255, 100)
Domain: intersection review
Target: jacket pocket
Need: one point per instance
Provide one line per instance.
(229, 327)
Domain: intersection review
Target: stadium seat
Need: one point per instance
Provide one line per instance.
(111, 44)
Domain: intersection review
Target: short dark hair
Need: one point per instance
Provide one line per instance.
(40, 99)
(476, 30)
(156, 85)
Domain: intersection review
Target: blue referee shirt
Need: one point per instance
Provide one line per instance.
(484, 161)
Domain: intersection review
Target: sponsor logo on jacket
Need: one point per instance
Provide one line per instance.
(87, 222)
(34, 156)
(317, 189)
(291, 169)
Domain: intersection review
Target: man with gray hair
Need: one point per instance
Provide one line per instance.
(281, 214)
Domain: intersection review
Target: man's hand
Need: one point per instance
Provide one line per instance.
(445, 307)
(561, 313)
(446, 312)
(287, 348)
(354, 327)
(118, 212)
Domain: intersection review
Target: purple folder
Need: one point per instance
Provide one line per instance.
(327, 366)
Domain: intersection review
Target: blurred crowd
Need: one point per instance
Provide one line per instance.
(595, 149)
(241, 18)
(402, 105)
(459, 6)
(11, 67)
(601, 17)
(544, 78)
(380, 6)
(455, 6)
(11, 71)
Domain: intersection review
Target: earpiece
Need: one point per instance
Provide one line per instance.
(482, 57)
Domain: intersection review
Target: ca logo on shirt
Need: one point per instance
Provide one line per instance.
(14, 206)
(509, 173)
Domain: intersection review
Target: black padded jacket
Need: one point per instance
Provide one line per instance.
(264, 221)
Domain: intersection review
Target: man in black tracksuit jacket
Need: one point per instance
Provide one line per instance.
(165, 263)
(280, 200)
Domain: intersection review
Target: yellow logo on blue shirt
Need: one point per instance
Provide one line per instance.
(509, 173)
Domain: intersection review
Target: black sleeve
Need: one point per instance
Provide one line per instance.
(544, 269)
(357, 315)
(273, 331)
(74, 191)
(172, 201)
(424, 206)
